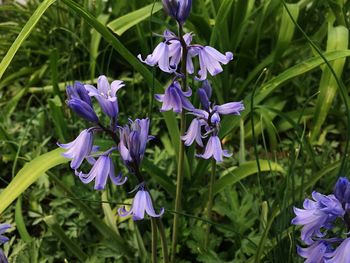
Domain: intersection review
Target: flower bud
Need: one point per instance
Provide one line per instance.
(178, 9)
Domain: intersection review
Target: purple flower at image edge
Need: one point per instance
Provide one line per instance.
(315, 253)
(341, 254)
(3, 229)
(175, 99)
(79, 149)
(142, 203)
(106, 95)
(178, 9)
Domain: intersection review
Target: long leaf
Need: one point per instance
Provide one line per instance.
(124, 23)
(28, 175)
(27, 29)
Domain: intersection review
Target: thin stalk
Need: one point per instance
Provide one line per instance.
(163, 240)
(210, 200)
(154, 239)
(180, 167)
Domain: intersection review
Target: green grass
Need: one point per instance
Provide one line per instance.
(294, 130)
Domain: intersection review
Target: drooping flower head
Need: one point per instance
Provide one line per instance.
(175, 99)
(142, 203)
(317, 213)
(341, 254)
(106, 95)
(3, 229)
(79, 149)
(208, 120)
(133, 140)
(316, 252)
(80, 102)
(342, 192)
(178, 9)
(3, 240)
(101, 170)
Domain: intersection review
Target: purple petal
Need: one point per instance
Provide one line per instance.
(229, 108)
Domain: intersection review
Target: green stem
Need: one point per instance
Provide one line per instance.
(154, 240)
(163, 240)
(180, 167)
(210, 200)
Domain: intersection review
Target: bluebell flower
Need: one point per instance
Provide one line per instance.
(341, 254)
(214, 149)
(142, 203)
(193, 133)
(3, 258)
(133, 140)
(101, 171)
(3, 229)
(160, 57)
(79, 149)
(178, 9)
(318, 213)
(342, 192)
(231, 108)
(106, 95)
(80, 102)
(316, 252)
(210, 60)
(175, 99)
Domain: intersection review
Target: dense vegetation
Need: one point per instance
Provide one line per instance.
(291, 138)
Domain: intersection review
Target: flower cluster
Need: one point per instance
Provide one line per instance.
(3, 240)
(318, 218)
(168, 56)
(130, 141)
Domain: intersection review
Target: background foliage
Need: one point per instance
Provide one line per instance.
(292, 137)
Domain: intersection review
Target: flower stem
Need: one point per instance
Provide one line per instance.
(210, 200)
(180, 167)
(154, 239)
(163, 240)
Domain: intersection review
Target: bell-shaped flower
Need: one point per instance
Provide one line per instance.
(234, 108)
(178, 9)
(318, 213)
(106, 95)
(142, 203)
(210, 60)
(133, 140)
(341, 254)
(3, 258)
(3, 229)
(80, 102)
(342, 192)
(79, 149)
(160, 57)
(204, 94)
(315, 253)
(214, 149)
(100, 172)
(175, 99)
(193, 133)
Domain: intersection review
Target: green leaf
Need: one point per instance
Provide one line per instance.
(231, 122)
(124, 23)
(235, 174)
(27, 29)
(28, 175)
(337, 40)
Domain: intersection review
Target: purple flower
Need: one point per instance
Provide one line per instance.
(160, 57)
(3, 229)
(193, 133)
(316, 215)
(214, 149)
(101, 170)
(80, 102)
(315, 253)
(210, 59)
(79, 149)
(229, 108)
(142, 203)
(342, 192)
(204, 94)
(106, 95)
(178, 9)
(3, 258)
(174, 98)
(341, 254)
(133, 140)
